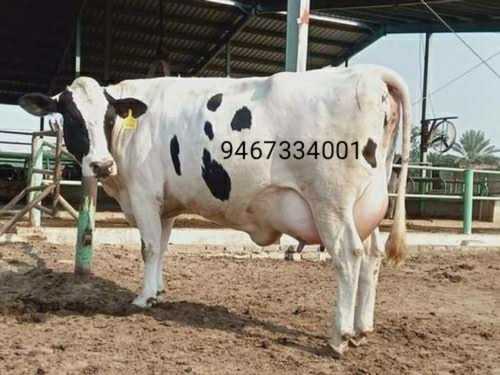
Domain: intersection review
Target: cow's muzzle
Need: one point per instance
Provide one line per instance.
(102, 169)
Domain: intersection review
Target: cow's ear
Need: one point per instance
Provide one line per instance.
(123, 106)
(38, 104)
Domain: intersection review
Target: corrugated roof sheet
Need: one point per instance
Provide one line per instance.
(39, 37)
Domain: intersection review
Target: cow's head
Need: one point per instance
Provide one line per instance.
(90, 114)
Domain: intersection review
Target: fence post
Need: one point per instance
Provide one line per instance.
(85, 227)
(468, 201)
(35, 179)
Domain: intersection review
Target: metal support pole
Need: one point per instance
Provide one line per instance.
(423, 138)
(86, 227)
(108, 35)
(228, 59)
(468, 200)
(423, 124)
(35, 179)
(292, 35)
(303, 23)
(86, 216)
(297, 19)
(42, 123)
(78, 46)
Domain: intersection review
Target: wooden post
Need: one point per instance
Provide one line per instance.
(86, 227)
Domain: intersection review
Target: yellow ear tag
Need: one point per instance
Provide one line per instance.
(129, 122)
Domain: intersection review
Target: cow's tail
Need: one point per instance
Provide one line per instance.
(395, 246)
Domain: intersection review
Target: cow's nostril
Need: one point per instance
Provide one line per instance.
(102, 168)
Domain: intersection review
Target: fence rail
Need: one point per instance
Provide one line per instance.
(468, 197)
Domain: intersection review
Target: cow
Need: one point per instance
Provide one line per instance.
(173, 145)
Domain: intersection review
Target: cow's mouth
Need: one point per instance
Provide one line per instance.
(102, 169)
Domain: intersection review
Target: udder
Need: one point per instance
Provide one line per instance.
(370, 208)
(286, 211)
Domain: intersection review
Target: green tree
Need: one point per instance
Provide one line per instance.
(474, 148)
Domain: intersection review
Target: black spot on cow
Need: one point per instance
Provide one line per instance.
(242, 119)
(208, 130)
(174, 153)
(76, 135)
(369, 153)
(216, 177)
(214, 102)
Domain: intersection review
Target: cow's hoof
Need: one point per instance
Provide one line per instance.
(358, 341)
(337, 351)
(161, 296)
(144, 302)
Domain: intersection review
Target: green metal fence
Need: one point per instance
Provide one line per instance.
(467, 196)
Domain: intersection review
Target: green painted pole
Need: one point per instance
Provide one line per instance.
(292, 35)
(86, 227)
(468, 194)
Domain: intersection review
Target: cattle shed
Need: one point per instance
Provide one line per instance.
(46, 43)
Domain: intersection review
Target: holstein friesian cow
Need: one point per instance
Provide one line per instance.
(306, 154)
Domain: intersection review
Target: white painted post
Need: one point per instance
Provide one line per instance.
(35, 179)
(303, 22)
(297, 19)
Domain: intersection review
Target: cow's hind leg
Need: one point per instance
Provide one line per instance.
(340, 237)
(367, 288)
(167, 225)
(147, 217)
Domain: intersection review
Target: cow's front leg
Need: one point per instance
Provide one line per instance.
(342, 241)
(147, 217)
(167, 225)
(367, 288)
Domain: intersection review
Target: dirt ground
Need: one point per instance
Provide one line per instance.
(437, 314)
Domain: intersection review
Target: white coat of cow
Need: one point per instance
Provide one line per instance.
(167, 159)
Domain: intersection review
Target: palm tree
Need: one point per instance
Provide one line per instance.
(474, 148)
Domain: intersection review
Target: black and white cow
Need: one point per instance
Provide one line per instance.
(167, 146)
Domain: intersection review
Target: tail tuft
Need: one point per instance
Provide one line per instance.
(395, 247)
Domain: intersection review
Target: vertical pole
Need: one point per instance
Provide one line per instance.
(86, 216)
(468, 201)
(297, 29)
(423, 124)
(35, 179)
(423, 138)
(292, 35)
(228, 59)
(303, 23)
(86, 227)
(42, 123)
(346, 63)
(107, 46)
(78, 46)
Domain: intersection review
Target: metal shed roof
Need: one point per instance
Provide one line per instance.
(38, 38)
